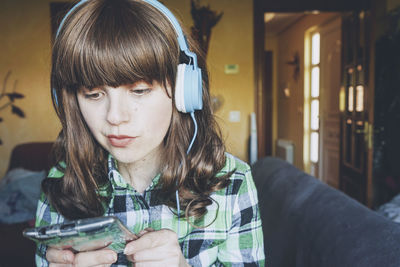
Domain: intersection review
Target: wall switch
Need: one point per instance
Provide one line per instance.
(231, 69)
(234, 116)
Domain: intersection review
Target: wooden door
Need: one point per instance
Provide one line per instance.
(265, 146)
(354, 114)
(329, 107)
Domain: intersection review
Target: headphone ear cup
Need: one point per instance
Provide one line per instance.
(188, 89)
(199, 94)
(179, 88)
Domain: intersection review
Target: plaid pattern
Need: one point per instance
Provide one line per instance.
(233, 236)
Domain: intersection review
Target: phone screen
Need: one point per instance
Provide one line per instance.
(84, 234)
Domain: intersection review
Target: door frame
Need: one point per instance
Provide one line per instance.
(326, 28)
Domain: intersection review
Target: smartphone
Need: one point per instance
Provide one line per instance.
(84, 234)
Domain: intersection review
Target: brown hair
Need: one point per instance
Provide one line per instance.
(115, 42)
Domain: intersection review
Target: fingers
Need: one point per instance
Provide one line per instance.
(156, 248)
(152, 264)
(144, 231)
(159, 253)
(160, 256)
(95, 258)
(151, 239)
(59, 258)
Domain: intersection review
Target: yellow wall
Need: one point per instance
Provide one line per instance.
(25, 45)
(25, 50)
(231, 43)
(291, 109)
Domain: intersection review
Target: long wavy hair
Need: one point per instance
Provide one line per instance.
(115, 42)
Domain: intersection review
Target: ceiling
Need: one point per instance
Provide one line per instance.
(275, 23)
(310, 5)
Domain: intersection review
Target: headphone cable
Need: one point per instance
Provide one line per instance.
(178, 206)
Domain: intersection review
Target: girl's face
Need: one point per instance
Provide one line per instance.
(129, 121)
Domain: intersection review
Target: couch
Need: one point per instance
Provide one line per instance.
(307, 223)
(15, 250)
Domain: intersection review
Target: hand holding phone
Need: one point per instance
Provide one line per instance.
(65, 257)
(84, 234)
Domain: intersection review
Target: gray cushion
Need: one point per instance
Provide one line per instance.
(307, 223)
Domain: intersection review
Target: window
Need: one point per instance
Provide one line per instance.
(311, 101)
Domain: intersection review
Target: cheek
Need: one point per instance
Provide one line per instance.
(161, 117)
(89, 115)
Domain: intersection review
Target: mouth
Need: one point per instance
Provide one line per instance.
(120, 140)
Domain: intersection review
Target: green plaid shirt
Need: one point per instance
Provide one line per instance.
(235, 237)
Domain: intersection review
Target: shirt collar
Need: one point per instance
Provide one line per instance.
(118, 182)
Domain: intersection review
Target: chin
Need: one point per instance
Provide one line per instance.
(141, 153)
(125, 157)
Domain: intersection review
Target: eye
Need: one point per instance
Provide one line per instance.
(140, 91)
(93, 95)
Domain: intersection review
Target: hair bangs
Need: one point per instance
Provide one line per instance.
(118, 46)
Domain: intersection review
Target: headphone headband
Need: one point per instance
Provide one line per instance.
(180, 36)
(67, 15)
(191, 80)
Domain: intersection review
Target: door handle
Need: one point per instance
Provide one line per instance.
(363, 130)
(368, 134)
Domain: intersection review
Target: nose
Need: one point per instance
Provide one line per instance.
(118, 110)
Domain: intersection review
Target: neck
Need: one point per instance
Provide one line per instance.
(139, 174)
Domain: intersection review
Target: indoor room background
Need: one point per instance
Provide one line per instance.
(25, 45)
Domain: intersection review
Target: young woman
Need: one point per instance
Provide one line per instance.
(139, 142)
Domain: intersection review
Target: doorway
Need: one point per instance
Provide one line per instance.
(306, 82)
(329, 152)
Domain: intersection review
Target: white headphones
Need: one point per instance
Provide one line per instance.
(188, 88)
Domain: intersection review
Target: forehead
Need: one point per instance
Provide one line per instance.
(114, 49)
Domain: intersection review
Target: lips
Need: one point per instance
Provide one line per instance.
(120, 140)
